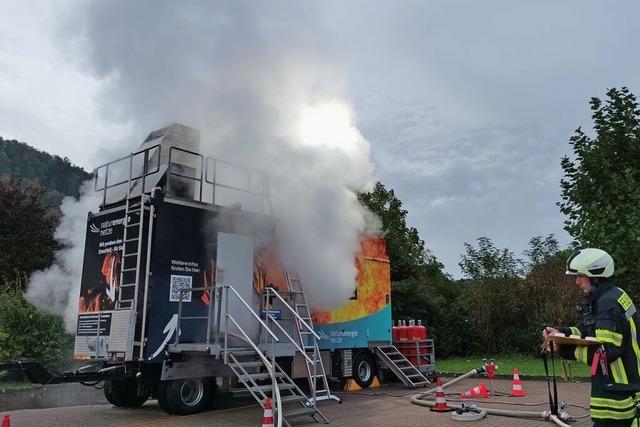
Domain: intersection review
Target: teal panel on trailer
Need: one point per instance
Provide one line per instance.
(371, 330)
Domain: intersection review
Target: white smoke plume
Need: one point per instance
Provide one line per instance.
(265, 85)
(57, 288)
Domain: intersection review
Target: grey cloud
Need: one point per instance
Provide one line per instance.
(468, 105)
(241, 71)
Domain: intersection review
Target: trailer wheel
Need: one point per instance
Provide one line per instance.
(185, 396)
(364, 369)
(123, 393)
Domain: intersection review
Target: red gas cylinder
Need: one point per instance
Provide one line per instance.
(394, 331)
(422, 331)
(402, 331)
(414, 331)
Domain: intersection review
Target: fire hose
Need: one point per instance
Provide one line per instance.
(558, 418)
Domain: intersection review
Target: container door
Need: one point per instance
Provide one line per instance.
(235, 258)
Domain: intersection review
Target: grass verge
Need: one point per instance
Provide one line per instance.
(528, 365)
(15, 385)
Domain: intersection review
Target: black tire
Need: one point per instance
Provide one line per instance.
(186, 396)
(364, 369)
(123, 393)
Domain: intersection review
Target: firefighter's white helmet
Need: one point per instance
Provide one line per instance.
(590, 262)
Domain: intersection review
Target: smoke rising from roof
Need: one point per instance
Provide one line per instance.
(266, 91)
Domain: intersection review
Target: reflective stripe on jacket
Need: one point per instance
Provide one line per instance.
(614, 320)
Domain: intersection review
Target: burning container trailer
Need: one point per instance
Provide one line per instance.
(183, 292)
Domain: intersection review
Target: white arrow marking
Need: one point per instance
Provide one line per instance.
(170, 329)
(111, 291)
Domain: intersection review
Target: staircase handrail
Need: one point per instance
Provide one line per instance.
(264, 325)
(306, 325)
(269, 365)
(293, 341)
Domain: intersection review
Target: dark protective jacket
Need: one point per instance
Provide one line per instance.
(610, 315)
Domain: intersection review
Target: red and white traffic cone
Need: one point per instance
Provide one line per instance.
(441, 401)
(516, 390)
(478, 391)
(267, 418)
(6, 421)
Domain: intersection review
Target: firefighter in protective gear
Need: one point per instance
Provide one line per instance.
(610, 315)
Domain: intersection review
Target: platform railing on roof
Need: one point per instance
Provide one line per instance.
(126, 170)
(190, 176)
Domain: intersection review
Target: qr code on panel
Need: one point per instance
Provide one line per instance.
(177, 283)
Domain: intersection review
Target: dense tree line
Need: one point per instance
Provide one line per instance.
(504, 301)
(501, 304)
(32, 184)
(55, 173)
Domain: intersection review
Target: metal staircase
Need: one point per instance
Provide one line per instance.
(254, 376)
(410, 376)
(256, 368)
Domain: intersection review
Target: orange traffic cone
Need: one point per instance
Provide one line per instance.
(6, 421)
(516, 390)
(267, 418)
(478, 391)
(441, 401)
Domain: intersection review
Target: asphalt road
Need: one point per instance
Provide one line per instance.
(385, 406)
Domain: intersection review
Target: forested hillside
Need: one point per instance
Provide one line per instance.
(32, 185)
(53, 172)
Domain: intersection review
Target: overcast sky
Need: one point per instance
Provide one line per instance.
(467, 105)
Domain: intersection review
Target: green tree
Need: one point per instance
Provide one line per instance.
(488, 262)
(552, 295)
(406, 249)
(420, 289)
(601, 184)
(27, 225)
(28, 333)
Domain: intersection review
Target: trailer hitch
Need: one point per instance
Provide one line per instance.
(38, 374)
(34, 371)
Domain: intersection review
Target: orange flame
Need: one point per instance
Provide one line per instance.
(373, 284)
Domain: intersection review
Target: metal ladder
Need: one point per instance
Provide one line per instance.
(132, 240)
(410, 376)
(316, 372)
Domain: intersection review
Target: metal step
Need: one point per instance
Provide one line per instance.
(259, 376)
(300, 413)
(251, 364)
(292, 398)
(269, 387)
(241, 352)
(127, 285)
